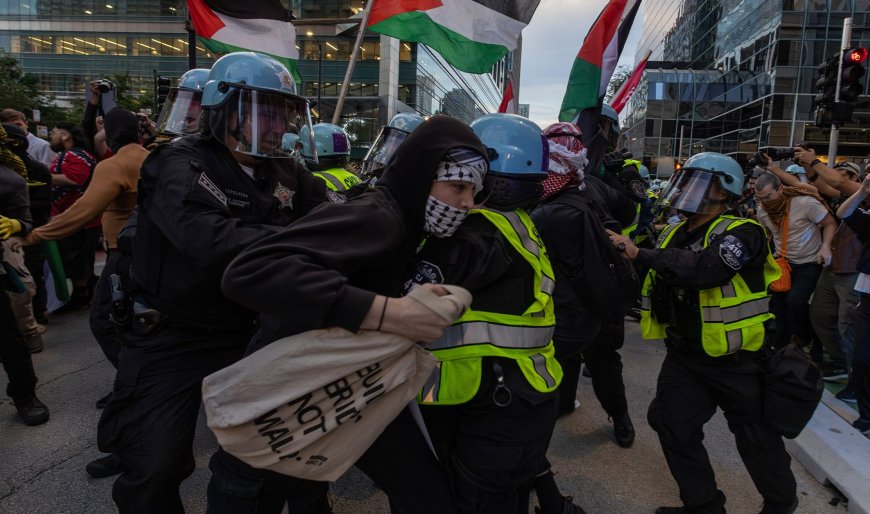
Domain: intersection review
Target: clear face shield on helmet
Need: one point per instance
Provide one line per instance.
(256, 121)
(382, 151)
(181, 112)
(694, 191)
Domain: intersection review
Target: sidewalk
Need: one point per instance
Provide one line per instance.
(835, 453)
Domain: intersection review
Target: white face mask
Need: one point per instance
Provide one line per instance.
(442, 220)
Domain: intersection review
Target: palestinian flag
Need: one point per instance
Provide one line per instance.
(226, 26)
(621, 98)
(471, 35)
(597, 59)
(508, 102)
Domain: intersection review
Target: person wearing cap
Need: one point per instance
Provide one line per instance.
(706, 295)
(344, 265)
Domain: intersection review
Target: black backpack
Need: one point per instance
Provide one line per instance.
(607, 284)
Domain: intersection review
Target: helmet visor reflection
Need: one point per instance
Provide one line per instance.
(181, 112)
(257, 121)
(382, 150)
(690, 190)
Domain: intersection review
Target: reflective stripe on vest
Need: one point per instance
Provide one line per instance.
(526, 338)
(732, 315)
(337, 179)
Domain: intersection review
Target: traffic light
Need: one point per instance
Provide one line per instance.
(162, 86)
(826, 85)
(851, 74)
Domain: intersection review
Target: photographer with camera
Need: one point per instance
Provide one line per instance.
(100, 100)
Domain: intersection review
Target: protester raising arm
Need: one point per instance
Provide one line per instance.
(848, 207)
(823, 175)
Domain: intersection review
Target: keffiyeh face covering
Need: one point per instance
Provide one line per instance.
(463, 165)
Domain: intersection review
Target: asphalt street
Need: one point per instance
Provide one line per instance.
(42, 468)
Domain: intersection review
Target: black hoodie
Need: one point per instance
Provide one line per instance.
(325, 269)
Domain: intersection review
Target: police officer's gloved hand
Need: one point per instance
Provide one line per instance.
(613, 162)
(632, 184)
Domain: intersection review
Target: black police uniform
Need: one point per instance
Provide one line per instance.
(197, 210)
(692, 384)
(493, 451)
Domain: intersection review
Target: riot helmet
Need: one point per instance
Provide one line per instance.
(180, 114)
(389, 138)
(518, 155)
(330, 142)
(252, 103)
(705, 183)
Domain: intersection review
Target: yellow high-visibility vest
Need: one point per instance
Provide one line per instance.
(732, 315)
(338, 179)
(526, 338)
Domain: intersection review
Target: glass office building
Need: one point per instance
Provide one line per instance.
(67, 43)
(735, 76)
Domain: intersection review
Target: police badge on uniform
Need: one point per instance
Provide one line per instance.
(284, 195)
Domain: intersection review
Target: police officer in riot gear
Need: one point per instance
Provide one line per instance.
(388, 140)
(706, 294)
(333, 150)
(494, 390)
(183, 108)
(202, 199)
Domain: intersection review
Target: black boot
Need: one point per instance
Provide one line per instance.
(105, 466)
(32, 412)
(623, 430)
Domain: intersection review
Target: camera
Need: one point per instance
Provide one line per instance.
(105, 85)
(775, 154)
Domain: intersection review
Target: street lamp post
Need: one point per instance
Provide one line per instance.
(319, 76)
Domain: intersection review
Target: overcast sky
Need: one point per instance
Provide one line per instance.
(550, 44)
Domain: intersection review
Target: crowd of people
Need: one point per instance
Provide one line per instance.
(233, 222)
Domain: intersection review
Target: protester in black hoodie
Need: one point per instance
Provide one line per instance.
(342, 266)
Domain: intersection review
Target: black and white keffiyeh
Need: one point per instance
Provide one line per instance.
(464, 165)
(442, 220)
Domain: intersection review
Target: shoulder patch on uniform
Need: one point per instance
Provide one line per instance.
(334, 197)
(424, 273)
(733, 252)
(210, 186)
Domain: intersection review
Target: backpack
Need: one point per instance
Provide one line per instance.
(607, 284)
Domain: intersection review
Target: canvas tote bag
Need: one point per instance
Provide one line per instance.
(309, 405)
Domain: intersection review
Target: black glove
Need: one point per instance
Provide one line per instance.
(613, 162)
(632, 184)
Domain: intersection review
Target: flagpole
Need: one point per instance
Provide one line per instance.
(339, 104)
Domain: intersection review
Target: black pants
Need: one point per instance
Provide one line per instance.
(399, 462)
(104, 331)
(861, 361)
(151, 418)
(78, 253)
(604, 364)
(493, 453)
(16, 357)
(690, 387)
(792, 309)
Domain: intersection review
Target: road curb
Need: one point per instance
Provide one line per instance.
(835, 453)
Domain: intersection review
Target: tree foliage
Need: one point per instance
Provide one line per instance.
(19, 91)
(620, 75)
